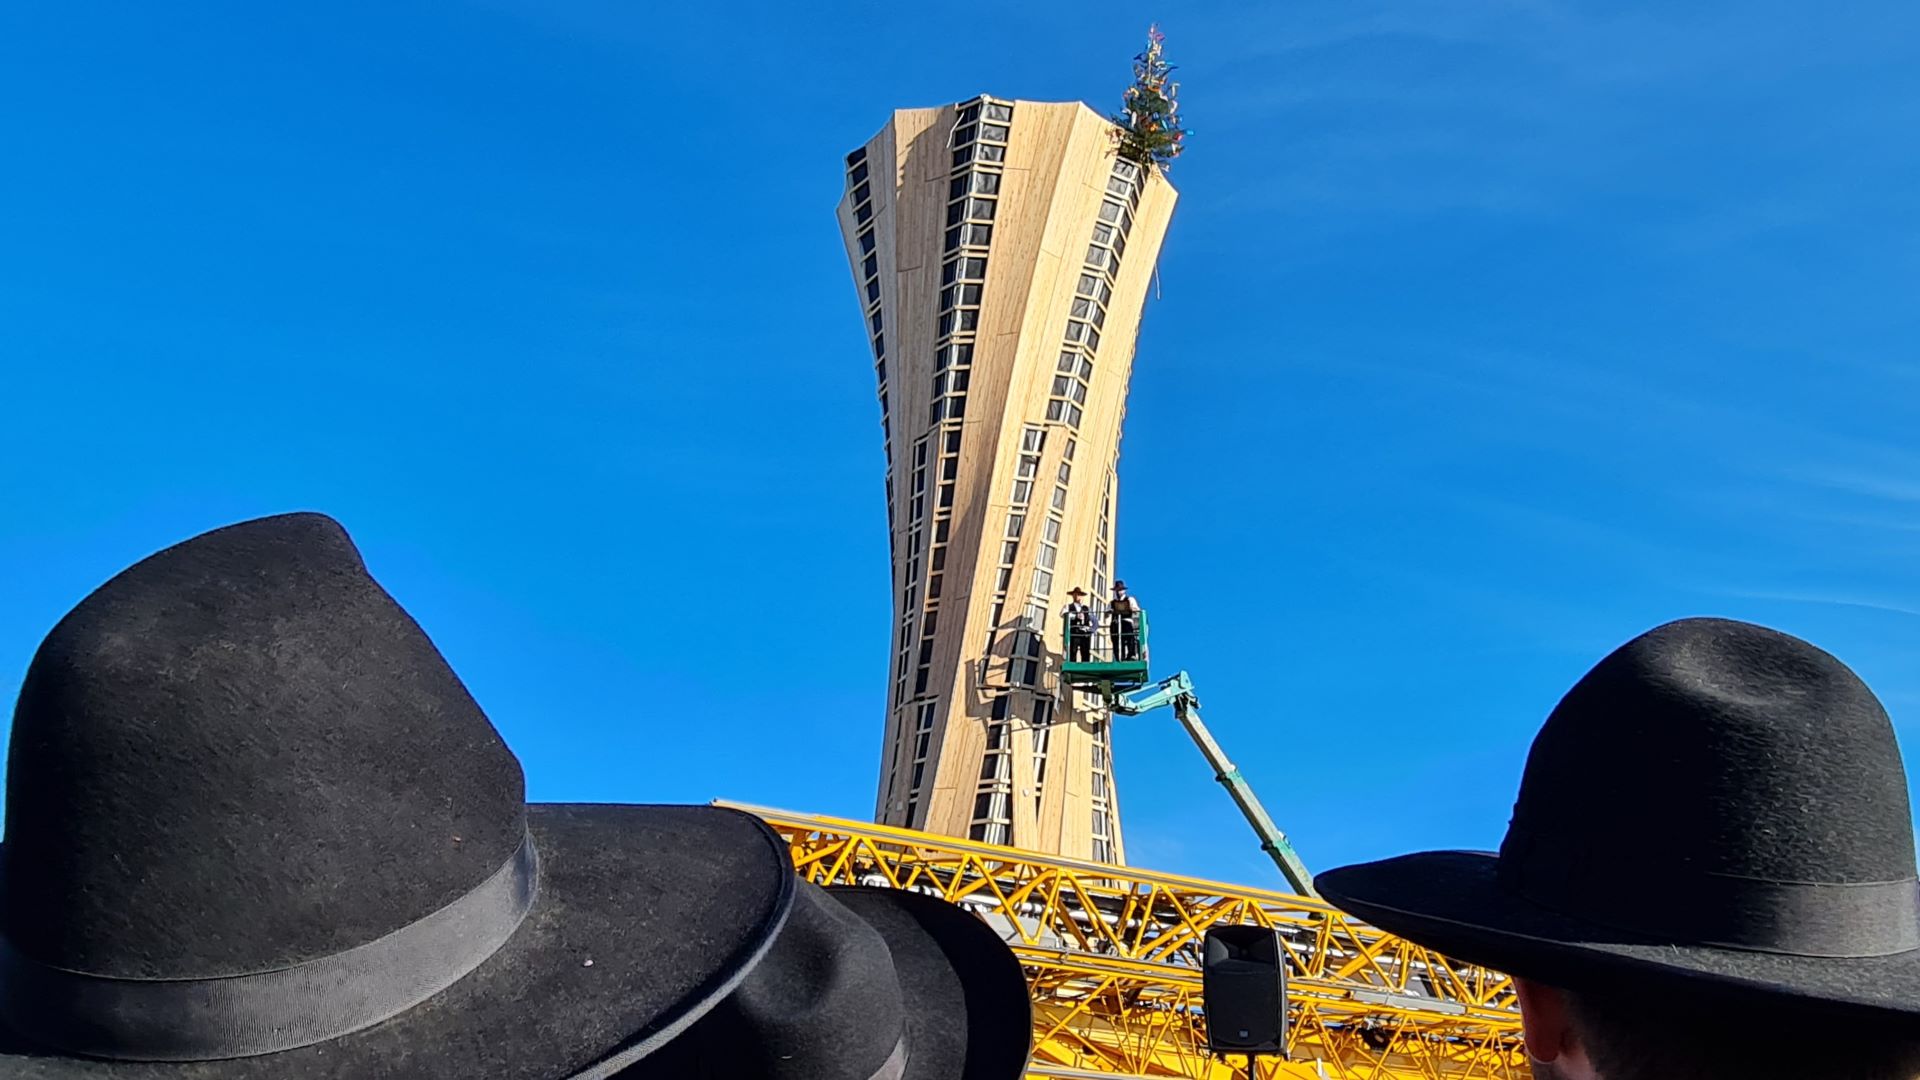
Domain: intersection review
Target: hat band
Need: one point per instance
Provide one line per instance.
(263, 1013)
(1837, 920)
(894, 1068)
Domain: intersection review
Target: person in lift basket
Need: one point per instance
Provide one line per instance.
(1079, 627)
(1123, 620)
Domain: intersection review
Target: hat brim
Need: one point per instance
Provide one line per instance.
(645, 916)
(1452, 902)
(969, 1016)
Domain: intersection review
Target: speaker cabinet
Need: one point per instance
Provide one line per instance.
(1244, 989)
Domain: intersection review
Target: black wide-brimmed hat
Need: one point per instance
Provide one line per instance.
(865, 984)
(1715, 809)
(256, 827)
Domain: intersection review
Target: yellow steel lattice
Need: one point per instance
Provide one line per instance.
(1112, 958)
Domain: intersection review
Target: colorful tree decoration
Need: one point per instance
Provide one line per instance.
(1150, 131)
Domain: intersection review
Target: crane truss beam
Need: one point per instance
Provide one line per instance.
(1112, 959)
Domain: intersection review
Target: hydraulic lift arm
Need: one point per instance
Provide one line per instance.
(1177, 692)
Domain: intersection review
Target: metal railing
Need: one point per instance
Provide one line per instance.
(1107, 637)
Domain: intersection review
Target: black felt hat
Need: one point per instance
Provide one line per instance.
(256, 827)
(1715, 809)
(865, 984)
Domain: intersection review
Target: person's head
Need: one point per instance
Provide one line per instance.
(1709, 871)
(1119, 588)
(1077, 595)
(1623, 1034)
(256, 826)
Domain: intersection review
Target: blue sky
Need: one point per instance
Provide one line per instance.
(1525, 327)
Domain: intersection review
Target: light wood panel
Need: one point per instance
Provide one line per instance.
(1053, 181)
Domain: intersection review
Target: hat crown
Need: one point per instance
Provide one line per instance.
(239, 754)
(1716, 747)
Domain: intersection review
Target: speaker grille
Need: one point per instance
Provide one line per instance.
(1244, 990)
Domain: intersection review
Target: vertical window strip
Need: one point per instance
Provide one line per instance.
(992, 819)
(1102, 823)
(972, 207)
(1033, 442)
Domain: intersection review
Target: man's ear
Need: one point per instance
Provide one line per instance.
(1547, 1024)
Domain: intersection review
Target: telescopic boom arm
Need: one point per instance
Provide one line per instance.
(1177, 691)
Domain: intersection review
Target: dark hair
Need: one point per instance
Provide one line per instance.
(1633, 1037)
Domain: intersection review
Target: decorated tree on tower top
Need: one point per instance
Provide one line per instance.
(1150, 131)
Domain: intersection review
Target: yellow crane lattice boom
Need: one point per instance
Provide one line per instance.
(1112, 955)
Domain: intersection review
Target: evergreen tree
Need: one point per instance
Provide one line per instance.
(1150, 131)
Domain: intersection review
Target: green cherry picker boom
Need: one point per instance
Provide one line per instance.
(1118, 675)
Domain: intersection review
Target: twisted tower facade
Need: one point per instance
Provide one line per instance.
(1001, 252)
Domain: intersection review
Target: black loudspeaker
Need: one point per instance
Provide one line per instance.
(1244, 989)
